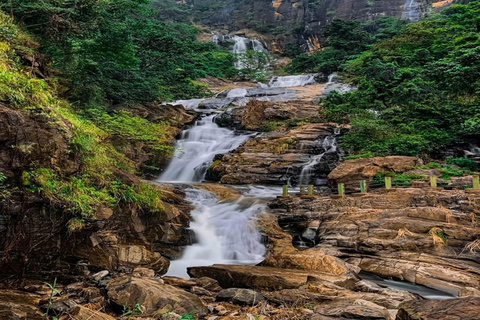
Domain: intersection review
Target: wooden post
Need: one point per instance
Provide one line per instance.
(310, 190)
(341, 189)
(363, 186)
(433, 181)
(302, 190)
(285, 190)
(476, 182)
(388, 182)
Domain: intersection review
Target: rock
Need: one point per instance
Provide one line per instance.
(152, 296)
(100, 275)
(275, 158)
(134, 255)
(389, 234)
(313, 259)
(451, 309)
(203, 282)
(143, 272)
(265, 278)
(350, 172)
(17, 305)
(241, 296)
(82, 313)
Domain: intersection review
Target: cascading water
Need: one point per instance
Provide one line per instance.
(225, 233)
(292, 81)
(329, 145)
(196, 149)
(412, 11)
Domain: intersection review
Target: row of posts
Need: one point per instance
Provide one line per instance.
(363, 186)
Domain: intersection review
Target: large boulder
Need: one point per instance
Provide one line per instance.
(153, 296)
(351, 172)
(453, 309)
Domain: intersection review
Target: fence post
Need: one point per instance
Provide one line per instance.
(476, 182)
(302, 190)
(285, 190)
(388, 182)
(433, 181)
(310, 190)
(363, 186)
(341, 189)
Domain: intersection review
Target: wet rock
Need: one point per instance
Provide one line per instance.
(452, 309)
(264, 278)
(82, 313)
(276, 158)
(241, 296)
(152, 295)
(350, 172)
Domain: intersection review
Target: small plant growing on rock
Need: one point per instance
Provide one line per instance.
(438, 236)
(53, 292)
(133, 312)
(189, 316)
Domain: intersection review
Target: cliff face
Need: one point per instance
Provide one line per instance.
(301, 21)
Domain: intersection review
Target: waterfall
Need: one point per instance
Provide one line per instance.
(412, 11)
(197, 148)
(329, 145)
(225, 233)
(292, 81)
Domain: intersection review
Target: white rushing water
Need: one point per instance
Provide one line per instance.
(225, 233)
(292, 81)
(197, 148)
(412, 11)
(329, 145)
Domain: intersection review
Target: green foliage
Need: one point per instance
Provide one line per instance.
(417, 92)
(464, 163)
(189, 316)
(117, 51)
(367, 154)
(346, 39)
(399, 179)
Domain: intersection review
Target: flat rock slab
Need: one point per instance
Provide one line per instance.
(264, 278)
(241, 296)
(452, 309)
(153, 296)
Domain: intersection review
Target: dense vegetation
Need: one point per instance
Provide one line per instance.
(417, 92)
(117, 51)
(345, 40)
(83, 64)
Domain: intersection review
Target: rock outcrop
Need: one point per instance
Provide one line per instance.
(277, 157)
(455, 309)
(350, 172)
(300, 21)
(154, 297)
(425, 236)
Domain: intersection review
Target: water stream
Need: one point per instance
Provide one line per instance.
(225, 233)
(196, 149)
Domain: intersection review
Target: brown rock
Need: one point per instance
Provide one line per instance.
(452, 309)
(265, 278)
(350, 172)
(82, 313)
(152, 295)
